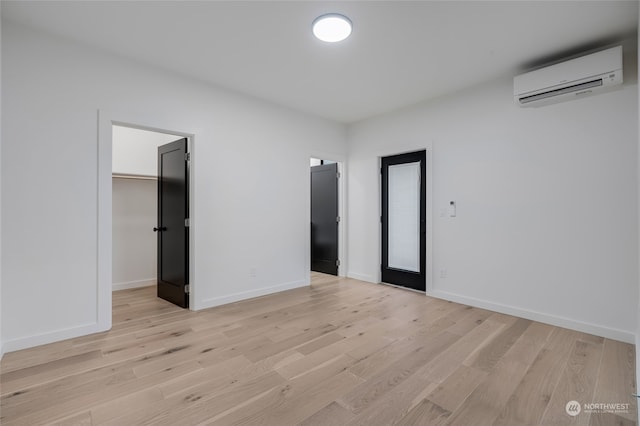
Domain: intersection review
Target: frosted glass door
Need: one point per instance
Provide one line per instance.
(404, 217)
(403, 220)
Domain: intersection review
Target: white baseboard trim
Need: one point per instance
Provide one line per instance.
(362, 277)
(50, 337)
(134, 284)
(585, 327)
(250, 294)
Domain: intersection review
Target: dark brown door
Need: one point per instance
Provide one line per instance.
(404, 220)
(173, 230)
(324, 218)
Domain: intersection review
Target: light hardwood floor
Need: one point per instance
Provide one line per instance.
(341, 352)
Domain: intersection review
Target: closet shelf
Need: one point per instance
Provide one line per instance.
(132, 176)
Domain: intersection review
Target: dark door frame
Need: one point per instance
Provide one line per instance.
(429, 271)
(324, 213)
(412, 280)
(342, 227)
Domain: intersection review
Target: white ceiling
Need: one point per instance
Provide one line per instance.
(400, 52)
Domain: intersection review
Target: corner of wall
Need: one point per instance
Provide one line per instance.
(638, 242)
(1, 346)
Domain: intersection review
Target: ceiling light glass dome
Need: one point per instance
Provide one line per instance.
(332, 27)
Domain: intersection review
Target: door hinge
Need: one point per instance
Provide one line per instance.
(338, 262)
(187, 223)
(187, 156)
(338, 219)
(187, 289)
(338, 175)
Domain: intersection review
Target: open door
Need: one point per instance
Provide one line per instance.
(324, 218)
(404, 220)
(173, 223)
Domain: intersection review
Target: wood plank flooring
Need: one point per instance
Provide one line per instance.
(341, 352)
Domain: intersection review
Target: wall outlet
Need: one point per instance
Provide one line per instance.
(443, 273)
(253, 272)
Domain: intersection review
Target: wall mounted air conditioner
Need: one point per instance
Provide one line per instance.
(571, 79)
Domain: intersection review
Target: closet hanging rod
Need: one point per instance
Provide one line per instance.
(132, 176)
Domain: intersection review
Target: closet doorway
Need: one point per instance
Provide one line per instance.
(325, 216)
(137, 235)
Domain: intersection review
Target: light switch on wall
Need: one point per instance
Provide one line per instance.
(452, 209)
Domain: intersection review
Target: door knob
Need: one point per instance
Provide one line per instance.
(164, 228)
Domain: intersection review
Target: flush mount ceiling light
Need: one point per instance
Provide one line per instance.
(332, 27)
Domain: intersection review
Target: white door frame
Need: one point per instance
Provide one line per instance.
(106, 120)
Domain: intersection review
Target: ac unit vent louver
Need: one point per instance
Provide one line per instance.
(567, 80)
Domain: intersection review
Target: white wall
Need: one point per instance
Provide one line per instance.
(134, 242)
(1, 346)
(250, 169)
(547, 202)
(637, 342)
(547, 198)
(135, 151)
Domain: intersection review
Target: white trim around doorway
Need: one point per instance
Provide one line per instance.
(106, 121)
